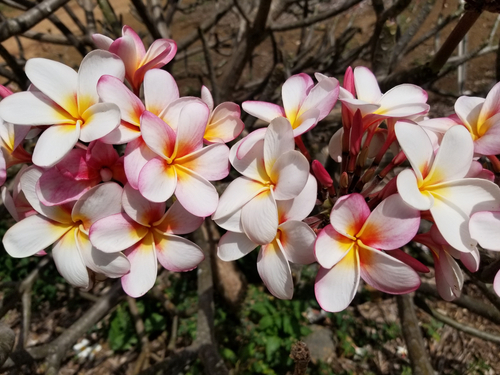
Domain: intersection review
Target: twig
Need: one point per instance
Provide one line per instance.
(419, 358)
(75, 19)
(159, 20)
(20, 76)
(110, 16)
(453, 323)
(146, 19)
(54, 39)
(139, 328)
(210, 67)
(473, 305)
(175, 363)
(18, 25)
(88, 8)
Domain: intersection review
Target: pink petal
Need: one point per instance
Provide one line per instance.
(233, 246)
(331, 247)
(274, 271)
(54, 188)
(247, 143)
(113, 90)
(386, 273)
(137, 154)
(56, 80)
(159, 53)
(349, 214)
(191, 127)
(449, 276)
(139, 208)
(124, 133)
(158, 135)
(116, 233)
(102, 41)
(195, 193)
(143, 268)
(278, 140)
(177, 254)
(31, 235)
(297, 242)
(69, 261)
(263, 110)
(306, 121)
(335, 288)
(391, 225)
(491, 104)
(158, 180)
(488, 143)
(408, 259)
(322, 96)
(178, 220)
(251, 164)
(468, 110)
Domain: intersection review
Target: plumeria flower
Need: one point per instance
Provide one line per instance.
(160, 90)
(12, 151)
(481, 117)
(485, 229)
(182, 166)
(293, 241)
(66, 100)
(67, 226)
(438, 184)
(224, 123)
(304, 105)
(78, 172)
(272, 170)
(137, 60)
(449, 276)
(351, 247)
(147, 234)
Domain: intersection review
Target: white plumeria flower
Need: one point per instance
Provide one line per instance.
(293, 241)
(66, 100)
(66, 226)
(272, 170)
(437, 182)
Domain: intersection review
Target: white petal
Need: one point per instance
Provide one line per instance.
(297, 242)
(274, 271)
(233, 246)
(259, 218)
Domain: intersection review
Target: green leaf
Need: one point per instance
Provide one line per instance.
(273, 343)
(266, 322)
(229, 355)
(121, 335)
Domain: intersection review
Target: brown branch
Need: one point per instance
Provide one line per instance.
(210, 67)
(55, 39)
(18, 71)
(175, 363)
(75, 19)
(146, 18)
(159, 20)
(88, 9)
(453, 323)
(336, 9)
(419, 358)
(472, 304)
(142, 361)
(18, 25)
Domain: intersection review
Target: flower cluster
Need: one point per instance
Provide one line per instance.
(123, 167)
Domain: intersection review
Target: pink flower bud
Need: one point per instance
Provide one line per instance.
(321, 174)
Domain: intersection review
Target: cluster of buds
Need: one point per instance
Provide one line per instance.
(117, 178)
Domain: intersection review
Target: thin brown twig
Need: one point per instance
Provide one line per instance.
(143, 359)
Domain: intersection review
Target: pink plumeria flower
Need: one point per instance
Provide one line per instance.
(293, 242)
(481, 117)
(224, 123)
(182, 166)
(351, 247)
(272, 170)
(67, 228)
(437, 182)
(137, 60)
(66, 100)
(485, 229)
(147, 234)
(449, 276)
(160, 91)
(78, 172)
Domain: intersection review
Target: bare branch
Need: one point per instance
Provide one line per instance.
(146, 18)
(419, 358)
(159, 20)
(142, 361)
(18, 25)
(210, 67)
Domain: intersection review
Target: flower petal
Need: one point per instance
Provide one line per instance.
(468, 109)
(274, 271)
(99, 120)
(263, 110)
(143, 268)
(31, 235)
(137, 154)
(178, 220)
(251, 163)
(290, 174)
(116, 233)
(403, 101)
(176, 253)
(211, 162)
(192, 121)
(407, 184)
(367, 88)
(485, 229)
(69, 261)
(335, 288)
(259, 218)
(54, 144)
(195, 193)
(160, 89)
(297, 242)
(157, 180)
(233, 246)
(349, 214)
(277, 141)
(301, 206)
(158, 135)
(294, 92)
(331, 247)
(386, 273)
(139, 208)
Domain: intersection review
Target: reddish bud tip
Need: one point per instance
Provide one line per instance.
(321, 174)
